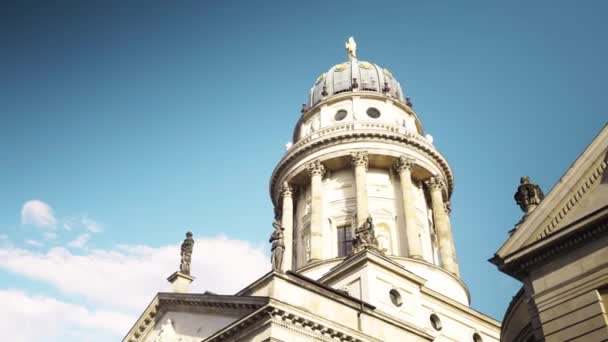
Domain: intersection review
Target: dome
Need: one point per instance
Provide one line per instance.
(355, 75)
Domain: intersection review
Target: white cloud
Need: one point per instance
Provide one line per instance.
(27, 318)
(37, 213)
(49, 235)
(91, 225)
(34, 243)
(127, 277)
(79, 241)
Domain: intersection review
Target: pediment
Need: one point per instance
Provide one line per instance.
(582, 190)
(190, 315)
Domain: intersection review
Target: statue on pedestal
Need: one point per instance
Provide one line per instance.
(278, 246)
(528, 195)
(365, 236)
(186, 254)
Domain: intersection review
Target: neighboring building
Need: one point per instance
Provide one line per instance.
(559, 251)
(364, 200)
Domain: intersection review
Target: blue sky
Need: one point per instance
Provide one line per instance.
(149, 118)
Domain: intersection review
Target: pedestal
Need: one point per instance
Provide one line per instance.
(181, 282)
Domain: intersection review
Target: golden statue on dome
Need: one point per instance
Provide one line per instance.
(351, 47)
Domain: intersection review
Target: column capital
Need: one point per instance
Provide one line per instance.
(404, 164)
(286, 190)
(434, 183)
(359, 159)
(316, 168)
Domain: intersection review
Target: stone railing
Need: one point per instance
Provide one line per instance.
(352, 126)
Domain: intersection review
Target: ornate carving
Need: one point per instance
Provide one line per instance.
(408, 102)
(434, 183)
(316, 168)
(186, 254)
(365, 236)
(528, 195)
(278, 246)
(447, 206)
(386, 88)
(404, 164)
(286, 190)
(359, 159)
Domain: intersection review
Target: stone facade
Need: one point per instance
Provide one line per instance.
(359, 160)
(559, 251)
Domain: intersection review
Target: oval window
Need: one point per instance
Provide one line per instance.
(373, 113)
(395, 297)
(436, 322)
(340, 115)
(477, 338)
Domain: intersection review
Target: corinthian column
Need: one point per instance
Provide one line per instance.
(317, 170)
(404, 168)
(443, 227)
(287, 223)
(360, 162)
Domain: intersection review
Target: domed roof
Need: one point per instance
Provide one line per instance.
(355, 75)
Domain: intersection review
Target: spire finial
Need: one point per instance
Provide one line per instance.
(351, 47)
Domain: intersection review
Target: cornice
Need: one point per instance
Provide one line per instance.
(288, 319)
(575, 234)
(358, 132)
(198, 302)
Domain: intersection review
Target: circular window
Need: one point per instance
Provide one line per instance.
(477, 337)
(395, 297)
(340, 115)
(436, 322)
(373, 113)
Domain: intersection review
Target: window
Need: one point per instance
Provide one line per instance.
(373, 113)
(345, 241)
(395, 297)
(436, 322)
(477, 338)
(340, 115)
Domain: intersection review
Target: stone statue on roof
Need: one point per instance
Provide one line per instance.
(186, 254)
(528, 195)
(365, 236)
(278, 246)
(351, 47)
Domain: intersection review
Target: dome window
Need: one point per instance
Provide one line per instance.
(477, 338)
(395, 297)
(340, 115)
(373, 113)
(436, 322)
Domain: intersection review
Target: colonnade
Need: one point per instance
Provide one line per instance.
(403, 166)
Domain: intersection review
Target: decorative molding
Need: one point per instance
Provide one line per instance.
(356, 132)
(434, 183)
(360, 159)
(288, 320)
(404, 164)
(286, 190)
(571, 202)
(316, 168)
(593, 231)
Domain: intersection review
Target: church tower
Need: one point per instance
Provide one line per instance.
(359, 151)
(362, 248)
